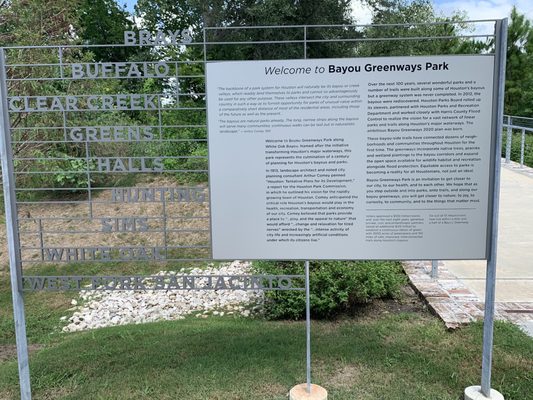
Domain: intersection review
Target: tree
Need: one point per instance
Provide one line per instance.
(103, 22)
(197, 14)
(519, 69)
(37, 23)
(415, 33)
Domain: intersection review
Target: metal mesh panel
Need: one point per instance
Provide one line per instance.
(103, 175)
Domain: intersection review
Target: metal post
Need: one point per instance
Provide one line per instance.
(13, 241)
(508, 141)
(308, 327)
(305, 42)
(490, 283)
(522, 145)
(434, 269)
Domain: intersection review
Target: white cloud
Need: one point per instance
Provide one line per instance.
(485, 9)
(361, 12)
(474, 9)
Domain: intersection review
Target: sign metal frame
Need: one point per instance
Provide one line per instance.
(12, 221)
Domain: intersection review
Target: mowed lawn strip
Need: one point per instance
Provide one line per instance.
(402, 356)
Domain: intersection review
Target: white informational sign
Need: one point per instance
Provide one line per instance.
(366, 158)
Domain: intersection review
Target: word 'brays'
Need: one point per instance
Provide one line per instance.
(159, 38)
(120, 70)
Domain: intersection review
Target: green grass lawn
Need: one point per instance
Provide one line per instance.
(379, 355)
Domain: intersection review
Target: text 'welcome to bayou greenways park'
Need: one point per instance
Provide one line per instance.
(370, 158)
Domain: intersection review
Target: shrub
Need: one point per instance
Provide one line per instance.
(335, 286)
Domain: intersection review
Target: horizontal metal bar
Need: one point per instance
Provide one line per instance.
(89, 202)
(517, 117)
(100, 126)
(90, 46)
(110, 248)
(109, 172)
(110, 110)
(380, 39)
(25, 189)
(43, 218)
(349, 25)
(81, 96)
(63, 232)
(169, 281)
(395, 38)
(293, 41)
(84, 158)
(67, 232)
(104, 78)
(99, 63)
(519, 127)
(177, 247)
(252, 27)
(155, 140)
(114, 261)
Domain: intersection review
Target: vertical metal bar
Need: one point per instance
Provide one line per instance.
(13, 239)
(62, 74)
(177, 84)
(308, 327)
(89, 188)
(434, 269)
(165, 222)
(41, 238)
(522, 146)
(508, 141)
(307, 293)
(159, 117)
(60, 57)
(205, 50)
(305, 42)
(490, 282)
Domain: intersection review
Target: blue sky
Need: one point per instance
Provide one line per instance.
(129, 3)
(476, 9)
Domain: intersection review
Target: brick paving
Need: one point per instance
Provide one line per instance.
(454, 303)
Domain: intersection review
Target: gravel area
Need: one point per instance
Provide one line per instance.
(97, 309)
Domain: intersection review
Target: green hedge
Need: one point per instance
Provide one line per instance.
(335, 286)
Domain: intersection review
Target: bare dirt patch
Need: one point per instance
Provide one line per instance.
(8, 352)
(75, 222)
(407, 302)
(346, 376)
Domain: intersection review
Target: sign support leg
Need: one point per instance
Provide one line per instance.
(308, 327)
(484, 391)
(12, 235)
(22, 342)
(308, 391)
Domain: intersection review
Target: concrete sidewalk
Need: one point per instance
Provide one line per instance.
(458, 295)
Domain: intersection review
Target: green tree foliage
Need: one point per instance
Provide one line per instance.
(103, 22)
(519, 71)
(175, 15)
(172, 15)
(409, 36)
(37, 23)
